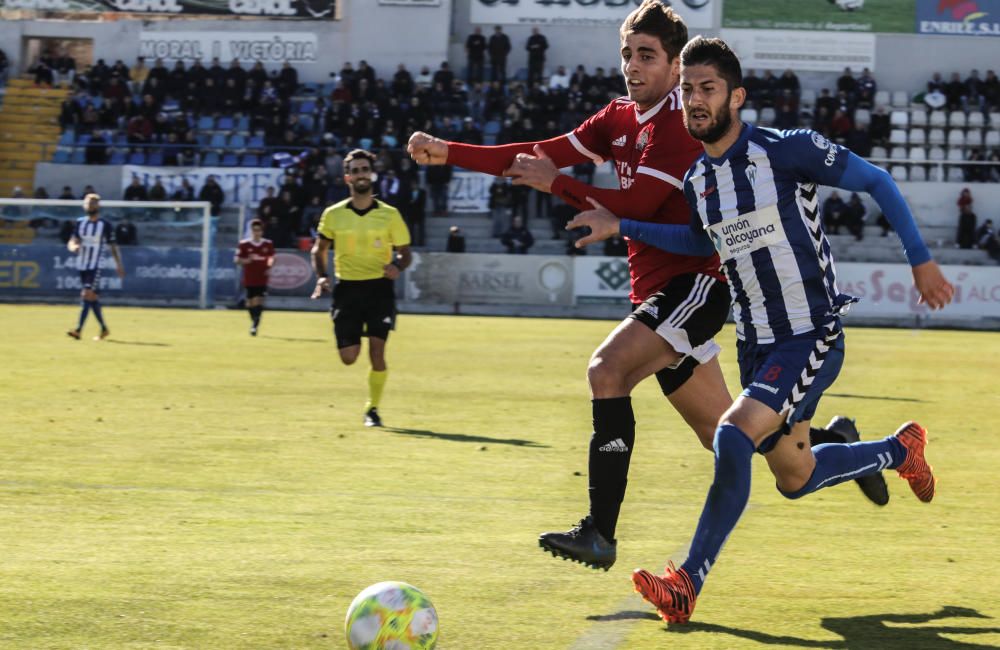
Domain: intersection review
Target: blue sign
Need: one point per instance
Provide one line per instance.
(959, 17)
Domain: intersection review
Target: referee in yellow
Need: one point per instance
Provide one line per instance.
(371, 248)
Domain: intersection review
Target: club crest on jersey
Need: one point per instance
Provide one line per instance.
(751, 172)
(820, 141)
(642, 140)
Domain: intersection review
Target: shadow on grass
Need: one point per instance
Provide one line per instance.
(875, 632)
(146, 343)
(292, 339)
(629, 614)
(461, 437)
(881, 398)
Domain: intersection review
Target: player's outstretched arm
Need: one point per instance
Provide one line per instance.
(862, 176)
(673, 238)
(426, 149)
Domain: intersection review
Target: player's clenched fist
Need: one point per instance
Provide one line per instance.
(425, 149)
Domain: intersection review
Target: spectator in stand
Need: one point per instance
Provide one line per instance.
(456, 241)
(64, 67)
(789, 82)
(176, 81)
(991, 92)
(158, 192)
(559, 80)
(288, 81)
(424, 77)
(537, 45)
(139, 130)
(964, 198)
(976, 173)
(935, 97)
(139, 74)
(126, 233)
(41, 68)
(238, 75)
(859, 141)
(443, 76)
(392, 190)
(974, 98)
(786, 110)
(135, 191)
(840, 126)
(833, 213)
(415, 213)
(518, 239)
(402, 82)
(866, 89)
(212, 192)
(338, 190)
(847, 84)
(954, 91)
(751, 82)
(879, 127)
(4, 65)
(936, 83)
(310, 216)
(69, 114)
(854, 216)
(41, 192)
(768, 89)
(438, 179)
(475, 56)
(965, 237)
(500, 204)
(499, 48)
(986, 239)
(67, 194)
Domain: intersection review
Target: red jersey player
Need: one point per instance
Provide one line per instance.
(256, 256)
(680, 302)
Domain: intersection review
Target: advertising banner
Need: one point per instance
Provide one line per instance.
(248, 47)
(291, 275)
(600, 280)
(696, 13)
(965, 18)
(242, 185)
(815, 51)
(481, 278)
(469, 191)
(170, 274)
(412, 3)
(270, 9)
(886, 290)
(832, 16)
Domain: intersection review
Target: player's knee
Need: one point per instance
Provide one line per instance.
(604, 375)
(89, 295)
(706, 434)
(348, 357)
(791, 483)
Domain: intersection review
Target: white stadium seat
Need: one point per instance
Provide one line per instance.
(955, 175)
(935, 136)
(918, 117)
(936, 153)
(938, 118)
(918, 153)
(918, 136)
(897, 136)
(807, 98)
(992, 139)
(956, 119)
(900, 99)
(879, 152)
(918, 173)
(898, 153)
(974, 138)
(976, 120)
(956, 155)
(748, 115)
(899, 173)
(936, 174)
(767, 115)
(882, 98)
(862, 117)
(956, 138)
(899, 119)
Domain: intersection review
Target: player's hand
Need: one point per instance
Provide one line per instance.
(391, 271)
(322, 286)
(425, 149)
(935, 290)
(537, 171)
(601, 221)
(73, 246)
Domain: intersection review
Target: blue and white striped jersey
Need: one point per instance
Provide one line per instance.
(92, 235)
(759, 206)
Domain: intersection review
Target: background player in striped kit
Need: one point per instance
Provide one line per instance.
(87, 242)
(753, 200)
(680, 301)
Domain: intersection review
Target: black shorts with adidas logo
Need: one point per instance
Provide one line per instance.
(362, 308)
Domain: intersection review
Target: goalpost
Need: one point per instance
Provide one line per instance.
(170, 263)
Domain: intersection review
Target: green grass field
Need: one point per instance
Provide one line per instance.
(183, 485)
(875, 16)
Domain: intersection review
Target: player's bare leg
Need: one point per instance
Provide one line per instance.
(349, 354)
(702, 400)
(376, 380)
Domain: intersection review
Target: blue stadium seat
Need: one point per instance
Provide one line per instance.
(66, 139)
(97, 102)
(120, 139)
(491, 128)
(155, 157)
(389, 141)
(307, 106)
(61, 156)
(137, 158)
(225, 123)
(211, 159)
(238, 142)
(256, 142)
(309, 88)
(206, 123)
(489, 140)
(365, 143)
(79, 156)
(328, 88)
(249, 160)
(307, 122)
(218, 141)
(117, 158)
(229, 160)
(244, 123)
(83, 138)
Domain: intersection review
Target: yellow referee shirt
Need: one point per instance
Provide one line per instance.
(363, 242)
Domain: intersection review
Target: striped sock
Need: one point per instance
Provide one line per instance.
(836, 463)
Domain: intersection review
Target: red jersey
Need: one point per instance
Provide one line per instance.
(255, 273)
(651, 151)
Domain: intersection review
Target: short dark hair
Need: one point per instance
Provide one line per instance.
(714, 52)
(256, 223)
(355, 154)
(657, 19)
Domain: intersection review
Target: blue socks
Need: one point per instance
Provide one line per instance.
(96, 306)
(838, 463)
(84, 310)
(726, 500)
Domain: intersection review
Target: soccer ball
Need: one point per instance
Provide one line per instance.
(849, 5)
(391, 616)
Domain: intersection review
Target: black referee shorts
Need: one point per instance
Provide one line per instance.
(362, 308)
(687, 313)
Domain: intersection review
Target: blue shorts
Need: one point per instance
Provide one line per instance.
(791, 375)
(91, 280)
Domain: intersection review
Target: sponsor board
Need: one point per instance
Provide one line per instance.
(696, 13)
(833, 16)
(291, 271)
(469, 192)
(804, 51)
(959, 17)
(248, 47)
(601, 279)
(241, 185)
(480, 278)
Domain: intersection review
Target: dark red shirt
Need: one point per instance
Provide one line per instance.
(255, 273)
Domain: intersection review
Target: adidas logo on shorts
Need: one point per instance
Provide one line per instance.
(615, 445)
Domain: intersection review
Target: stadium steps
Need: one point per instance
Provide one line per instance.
(28, 122)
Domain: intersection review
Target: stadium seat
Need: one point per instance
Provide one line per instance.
(225, 123)
(229, 160)
(955, 175)
(956, 155)
(749, 115)
(256, 142)
(365, 143)
(489, 140)
(79, 156)
(956, 138)
(767, 116)
(807, 98)
(491, 128)
(936, 153)
(307, 121)
(66, 139)
(882, 98)
(206, 123)
(879, 152)
(308, 107)
(974, 138)
(899, 119)
(390, 141)
(862, 117)
(61, 156)
(992, 139)
(898, 153)
(243, 124)
(97, 102)
(155, 158)
(976, 120)
(935, 136)
(938, 119)
(918, 117)
(897, 136)
(137, 158)
(917, 136)
(83, 138)
(117, 157)
(900, 99)
(956, 119)
(210, 159)
(249, 160)
(218, 141)
(899, 173)
(918, 153)
(936, 174)
(237, 142)
(918, 173)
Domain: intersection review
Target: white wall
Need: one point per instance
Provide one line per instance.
(934, 204)
(383, 35)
